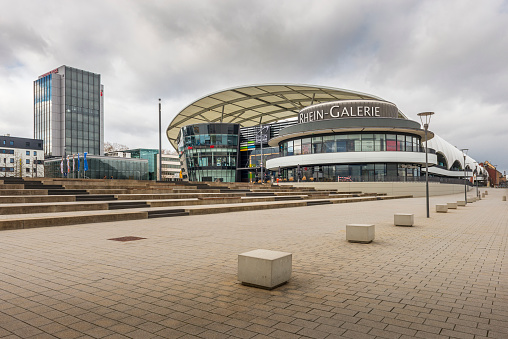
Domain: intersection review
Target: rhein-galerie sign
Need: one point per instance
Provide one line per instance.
(348, 109)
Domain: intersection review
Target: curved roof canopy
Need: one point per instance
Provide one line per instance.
(255, 104)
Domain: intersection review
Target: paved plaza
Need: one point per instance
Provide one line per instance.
(445, 277)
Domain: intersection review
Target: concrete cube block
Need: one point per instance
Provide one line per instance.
(362, 233)
(441, 208)
(461, 203)
(486, 192)
(483, 195)
(264, 268)
(403, 219)
(452, 205)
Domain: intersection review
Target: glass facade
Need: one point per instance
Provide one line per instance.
(99, 168)
(43, 110)
(209, 152)
(148, 154)
(82, 111)
(354, 172)
(352, 142)
(67, 112)
(357, 142)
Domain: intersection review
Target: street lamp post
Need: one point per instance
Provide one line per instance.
(464, 153)
(160, 145)
(476, 170)
(425, 119)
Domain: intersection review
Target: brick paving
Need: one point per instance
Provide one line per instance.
(446, 277)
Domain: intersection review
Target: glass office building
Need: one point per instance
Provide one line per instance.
(209, 152)
(69, 112)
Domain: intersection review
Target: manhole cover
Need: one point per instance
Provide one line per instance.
(126, 238)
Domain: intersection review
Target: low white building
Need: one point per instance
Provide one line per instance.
(170, 167)
(21, 157)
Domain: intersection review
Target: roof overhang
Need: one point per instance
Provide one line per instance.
(256, 104)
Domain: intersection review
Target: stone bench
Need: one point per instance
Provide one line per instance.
(452, 205)
(264, 268)
(362, 233)
(461, 203)
(441, 208)
(403, 219)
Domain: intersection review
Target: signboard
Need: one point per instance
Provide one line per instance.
(348, 109)
(262, 134)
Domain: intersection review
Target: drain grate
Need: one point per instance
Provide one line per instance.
(126, 238)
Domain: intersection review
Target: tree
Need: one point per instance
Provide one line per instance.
(114, 147)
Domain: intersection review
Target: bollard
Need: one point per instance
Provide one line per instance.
(403, 219)
(504, 197)
(452, 205)
(362, 233)
(264, 268)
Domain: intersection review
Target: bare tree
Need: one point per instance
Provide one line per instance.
(114, 147)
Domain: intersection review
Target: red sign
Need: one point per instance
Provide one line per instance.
(50, 72)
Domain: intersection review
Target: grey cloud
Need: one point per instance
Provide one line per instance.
(447, 56)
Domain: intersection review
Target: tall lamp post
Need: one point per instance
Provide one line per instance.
(464, 153)
(476, 170)
(425, 119)
(160, 145)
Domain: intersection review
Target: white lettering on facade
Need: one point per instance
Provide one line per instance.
(311, 116)
(376, 111)
(334, 115)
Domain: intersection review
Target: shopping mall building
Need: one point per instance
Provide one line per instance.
(307, 135)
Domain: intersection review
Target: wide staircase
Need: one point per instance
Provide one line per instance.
(42, 202)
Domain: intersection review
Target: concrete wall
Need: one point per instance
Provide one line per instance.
(417, 189)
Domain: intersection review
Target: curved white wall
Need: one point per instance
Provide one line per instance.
(451, 153)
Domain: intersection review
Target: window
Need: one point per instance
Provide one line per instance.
(341, 142)
(28, 161)
(11, 160)
(11, 143)
(306, 146)
(27, 152)
(27, 144)
(35, 153)
(329, 144)
(317, 143)
(367, 142)
(28, 170)
(4, 142)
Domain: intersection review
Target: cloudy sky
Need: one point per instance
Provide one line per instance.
(444, 56)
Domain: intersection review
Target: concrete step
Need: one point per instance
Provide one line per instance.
(167, 213)
(66, 192)
(4, 192)
(18, 221)
(127, 205)
(95, 197)
(26, 199)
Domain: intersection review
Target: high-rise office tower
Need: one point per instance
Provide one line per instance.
(69, 112)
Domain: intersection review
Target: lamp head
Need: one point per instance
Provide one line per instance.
(425, 118)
